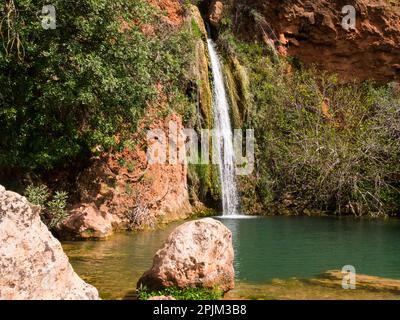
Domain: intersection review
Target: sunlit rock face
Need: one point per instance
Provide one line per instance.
(137, 194)
(32, 262)
(172, 10)
(87, 222)
(216, 12)
(196, 254)
(313, 31)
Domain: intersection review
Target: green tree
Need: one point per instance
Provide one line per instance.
(65, 93)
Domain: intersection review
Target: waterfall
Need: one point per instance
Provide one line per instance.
(224, 136)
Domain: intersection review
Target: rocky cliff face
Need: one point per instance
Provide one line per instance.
(312, 31)
(172, 10)
(123, 190)
(32, 262)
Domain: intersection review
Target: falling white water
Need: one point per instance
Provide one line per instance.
(224, 136)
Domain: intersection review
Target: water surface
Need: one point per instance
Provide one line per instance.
(303, 247)
(265, 249)
(114, 265)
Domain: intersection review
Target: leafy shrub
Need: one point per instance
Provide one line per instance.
(53, 211)
(56, 208)
(37, 195)
(181, 294)
(65, 93)
(327, 146)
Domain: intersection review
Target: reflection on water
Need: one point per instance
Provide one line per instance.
(303, 247)
(265, 249)
(295, 289)
(115, 265)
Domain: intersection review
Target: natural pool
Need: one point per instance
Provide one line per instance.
(266, 248)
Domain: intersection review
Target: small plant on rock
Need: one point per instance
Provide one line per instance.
(37, 195)
(181, 294)
(56, 208)
(53, 211)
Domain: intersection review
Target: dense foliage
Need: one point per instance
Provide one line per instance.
(53, 208)
(66, 92)
(321, 144)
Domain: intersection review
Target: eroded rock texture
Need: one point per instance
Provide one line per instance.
(312, 31)
(196, 254)
(32, 262)
(123, 190)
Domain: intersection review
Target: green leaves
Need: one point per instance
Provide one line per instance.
(53, 211)
(322, 145)
(181, 294)
(56, 208)
(80, 84)
(37, 195)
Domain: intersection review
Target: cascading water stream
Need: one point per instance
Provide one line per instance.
(224, 136)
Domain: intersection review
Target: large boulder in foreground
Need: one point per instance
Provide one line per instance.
(196, 254)
(32, 262)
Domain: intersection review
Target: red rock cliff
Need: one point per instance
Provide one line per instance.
(312, 31)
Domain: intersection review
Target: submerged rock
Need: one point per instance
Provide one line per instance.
(321, 288)
(334, 278)
(196, 254)
(32, 262)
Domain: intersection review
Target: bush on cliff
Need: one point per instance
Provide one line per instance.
(182, 294)
(66, 92)
(321, 144)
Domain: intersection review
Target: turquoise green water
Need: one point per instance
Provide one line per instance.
(283, 247)
(265, 249)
